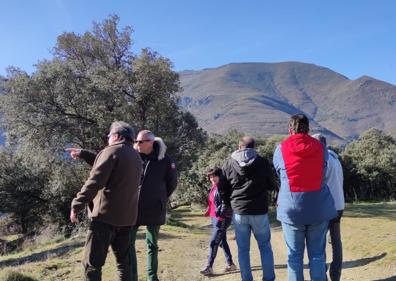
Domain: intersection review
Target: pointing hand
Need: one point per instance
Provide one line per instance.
(74, 152)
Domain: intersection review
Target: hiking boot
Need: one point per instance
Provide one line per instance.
(230, 267)
(207, 271)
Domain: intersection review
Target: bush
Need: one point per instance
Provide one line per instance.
(369, 167)
(193, 183)
(15, 276)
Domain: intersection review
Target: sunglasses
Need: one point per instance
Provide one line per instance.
(141, 141)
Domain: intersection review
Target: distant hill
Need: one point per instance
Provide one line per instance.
(258, 98)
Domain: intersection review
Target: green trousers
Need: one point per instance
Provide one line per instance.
(152, 232)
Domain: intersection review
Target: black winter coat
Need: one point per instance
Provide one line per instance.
(246, 187)
(159, 180)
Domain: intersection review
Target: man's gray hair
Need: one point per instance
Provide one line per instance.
(320, 138)
(123, 129)
(148, 134)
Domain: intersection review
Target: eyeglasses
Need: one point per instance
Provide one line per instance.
(141, 141)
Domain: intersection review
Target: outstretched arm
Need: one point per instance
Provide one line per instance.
(86, 155)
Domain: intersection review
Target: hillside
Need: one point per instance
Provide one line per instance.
(258, 98)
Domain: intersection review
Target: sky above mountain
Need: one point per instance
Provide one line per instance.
(354, 38)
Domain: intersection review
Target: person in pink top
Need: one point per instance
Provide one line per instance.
(221, 216)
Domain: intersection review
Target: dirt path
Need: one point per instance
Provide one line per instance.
(184, 254)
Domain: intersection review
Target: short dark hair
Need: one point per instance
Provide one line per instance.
(123, 129)
(247, 142)
(299, 124)
(215, 171)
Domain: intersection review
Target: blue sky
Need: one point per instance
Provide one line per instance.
(354, 38)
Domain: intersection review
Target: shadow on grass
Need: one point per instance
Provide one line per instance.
(345, 264)
(187, 217)
(392, 278)
(253, 268)
(365, 210)
(362, 262)
(141, 235)
(41, 256)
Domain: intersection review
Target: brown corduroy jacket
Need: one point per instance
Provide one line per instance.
(112, 189)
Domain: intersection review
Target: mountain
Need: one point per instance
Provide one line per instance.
(258, 98)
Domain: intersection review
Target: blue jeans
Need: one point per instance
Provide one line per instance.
(259, 224)
(315, 236)
(219, 235)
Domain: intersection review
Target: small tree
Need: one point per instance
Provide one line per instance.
(92, 80)
(22, 192)
(370, 166)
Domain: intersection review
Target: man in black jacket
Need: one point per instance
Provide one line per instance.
(247, 179)
(158, 182)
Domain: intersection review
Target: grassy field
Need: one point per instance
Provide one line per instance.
(368, 231)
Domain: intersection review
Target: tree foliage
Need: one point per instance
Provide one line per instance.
(370, 166)
(194, 184)
(92, 80)
(22, 193)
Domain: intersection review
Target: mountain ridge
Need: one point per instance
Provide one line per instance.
(259, 98)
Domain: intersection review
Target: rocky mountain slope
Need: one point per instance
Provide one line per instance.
(258, 98)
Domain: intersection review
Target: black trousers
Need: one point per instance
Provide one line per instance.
(100, 236)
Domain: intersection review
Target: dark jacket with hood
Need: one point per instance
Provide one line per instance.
(158, 181)
(247, 179)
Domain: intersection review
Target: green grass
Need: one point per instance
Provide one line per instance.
(368, 210)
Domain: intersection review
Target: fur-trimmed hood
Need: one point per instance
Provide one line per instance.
(159, 147)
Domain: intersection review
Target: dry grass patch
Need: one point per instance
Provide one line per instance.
(368, 232)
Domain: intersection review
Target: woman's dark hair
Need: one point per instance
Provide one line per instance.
(215, 171)
(299, 124)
